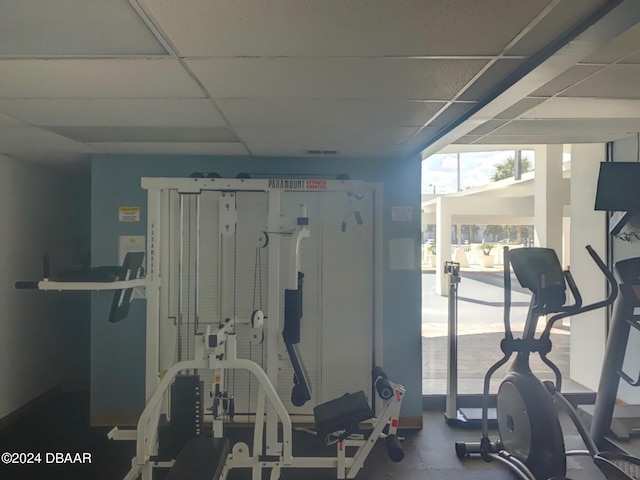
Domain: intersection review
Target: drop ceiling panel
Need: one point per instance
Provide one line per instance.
(324, 138)
(466, 139)
(423, 136)
(152, 112)
(339, 28)
(487, 127)
(159, 148)
(146, 134)
(97, 78)
(595, 126)
(349, 150)
(519, 108)
(287, 111)
(564, 16)
(7, 120)
(74, 27)
(634, 58)
(14, 140)
(452, 112)
(496, 75)
(349, 78)
(565, 80)
(569, 107)
(575, 137)
(619, 47)
(616, 81)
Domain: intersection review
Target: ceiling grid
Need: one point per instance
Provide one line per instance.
(363, 78)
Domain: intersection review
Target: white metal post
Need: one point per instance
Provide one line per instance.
(273, 317)
(154, 246)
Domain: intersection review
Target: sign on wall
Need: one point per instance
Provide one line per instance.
(129, 214)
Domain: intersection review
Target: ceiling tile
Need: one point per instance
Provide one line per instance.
(96, 78)
(158, 148)
(74, 27)
(634, 58)
(466, 139)
(422, 137)
(324, 138)
(337, 28)
(573, 137)
(616, 81)
(350, 150)
(150, 112)
(564, 16)
(8, 120)
(488, 127)
(288, 111)
(565, 80)
(348, 78)
(594, 126)
(497, 75)
(25, 139)
(570, 107)
(519, 108)
(453, 112)
(146, 134)
(620, 46)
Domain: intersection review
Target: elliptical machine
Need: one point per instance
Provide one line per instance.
(531, 441)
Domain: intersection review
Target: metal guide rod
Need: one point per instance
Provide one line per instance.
(452, 270)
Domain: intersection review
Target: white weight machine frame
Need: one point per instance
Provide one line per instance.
(269, 406)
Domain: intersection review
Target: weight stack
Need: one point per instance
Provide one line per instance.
(186, 416)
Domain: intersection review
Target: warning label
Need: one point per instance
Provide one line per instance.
(129, 214)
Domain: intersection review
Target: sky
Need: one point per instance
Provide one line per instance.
(440, 170)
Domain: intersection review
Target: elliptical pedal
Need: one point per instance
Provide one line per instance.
(618, 466)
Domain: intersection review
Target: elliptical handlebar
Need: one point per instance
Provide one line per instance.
(613, 293)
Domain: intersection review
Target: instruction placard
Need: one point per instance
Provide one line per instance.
(129, 214)
(401, 214)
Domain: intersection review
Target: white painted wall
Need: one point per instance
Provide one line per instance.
(626, 150)
(44, 338)
(587, 227)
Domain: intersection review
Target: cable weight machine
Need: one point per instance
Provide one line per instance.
(216, 344)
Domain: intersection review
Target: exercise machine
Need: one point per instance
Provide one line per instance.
(211, 457)
(455, 416)
(531, 441)
(122, 279)
(199, 314)
(611, 424)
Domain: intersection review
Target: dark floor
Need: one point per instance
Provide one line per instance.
(63, 426)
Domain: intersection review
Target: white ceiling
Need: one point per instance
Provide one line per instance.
(360, 77)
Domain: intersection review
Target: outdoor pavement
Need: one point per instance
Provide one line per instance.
(480, 329)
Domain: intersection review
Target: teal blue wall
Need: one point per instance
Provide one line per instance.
(117, 350)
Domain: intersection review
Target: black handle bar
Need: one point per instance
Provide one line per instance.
(613, 293)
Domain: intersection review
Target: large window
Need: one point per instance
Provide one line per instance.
(477, 243)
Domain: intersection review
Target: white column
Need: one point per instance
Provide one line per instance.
(587, 227)
(548, 198)
(443, 243)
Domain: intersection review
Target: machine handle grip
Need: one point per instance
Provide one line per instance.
(382, 383)
(394, 450)
(26, 285)
(607, 273)
(594, 306)
(574, 288)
